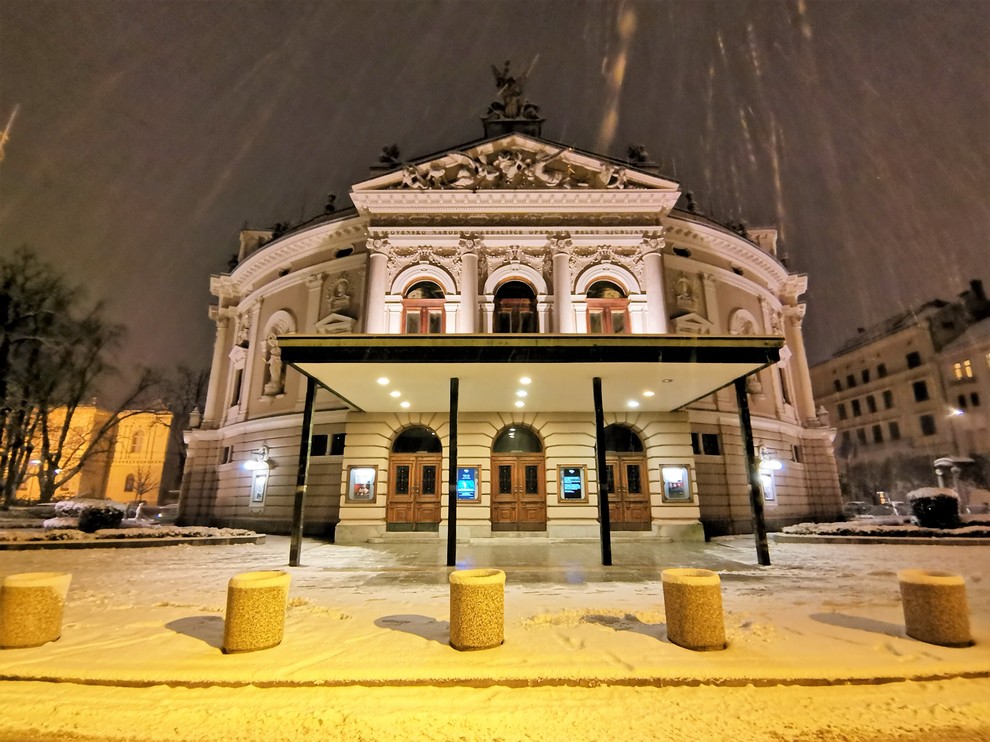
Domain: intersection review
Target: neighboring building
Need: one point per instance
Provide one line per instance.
(512, 235)
(907, 391)
(128, 465)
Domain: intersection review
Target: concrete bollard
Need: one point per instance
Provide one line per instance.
(256, 603)
(692, 600)
(935, 608)
(31, 608)
(477, 608)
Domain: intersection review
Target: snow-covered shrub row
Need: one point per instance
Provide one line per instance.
(864, 528)
(58, 522)
(157, 532)
(73, 508)
(94, 518)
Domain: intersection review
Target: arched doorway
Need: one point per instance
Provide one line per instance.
(413, 502)
(608, 309)
(519, 501)
(628, 488)
(422, 309)
(515, 308)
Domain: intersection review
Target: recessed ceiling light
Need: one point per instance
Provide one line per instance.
(665, 381)
(632, 403)
(395, 393)
(383, 380)
(648, 393)
(404, 405)
(522, 393)
(525, 380)
(520, 403)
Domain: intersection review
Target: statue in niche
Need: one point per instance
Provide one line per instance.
(685, 292)
(276, 380)
(339, 297)
(511, 105)
(754, 387)
(243, 328)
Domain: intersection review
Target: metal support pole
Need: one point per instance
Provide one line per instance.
(603, 518)
(753, 469)
(452, 477)
(305, 438)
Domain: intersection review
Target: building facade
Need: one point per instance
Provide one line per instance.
(126, 466)
(511, 235)
(908, 391)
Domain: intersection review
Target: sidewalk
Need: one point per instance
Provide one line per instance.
(376, 615)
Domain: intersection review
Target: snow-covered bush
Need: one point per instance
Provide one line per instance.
(73, 508)
(935, 507)
(94, 517)
(60, 522)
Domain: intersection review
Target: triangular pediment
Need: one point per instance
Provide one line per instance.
(515, 162)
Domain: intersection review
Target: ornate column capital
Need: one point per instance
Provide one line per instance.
(378, 244)
(469, 244)
(653, 242)
(560, 243)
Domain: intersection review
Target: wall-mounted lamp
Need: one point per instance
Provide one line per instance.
(259, 460)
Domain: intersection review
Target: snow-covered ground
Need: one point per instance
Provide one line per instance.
(817, 649)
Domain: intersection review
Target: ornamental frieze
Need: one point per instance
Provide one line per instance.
(510, 168)
(493, 258)
(400, 258)
(630, 258)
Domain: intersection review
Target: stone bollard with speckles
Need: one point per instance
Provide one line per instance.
(477, 608)
(31, 608)
(692, 600)
(935, 608)
(256, 603)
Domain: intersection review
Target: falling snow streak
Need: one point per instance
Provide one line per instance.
(148, 133)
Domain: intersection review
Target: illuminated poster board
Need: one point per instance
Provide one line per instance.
(572, 483)
(676, 486)
(361, 483)
(467, 484)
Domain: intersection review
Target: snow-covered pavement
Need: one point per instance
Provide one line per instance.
(811, 639)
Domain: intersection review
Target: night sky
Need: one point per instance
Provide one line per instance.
(150, 132)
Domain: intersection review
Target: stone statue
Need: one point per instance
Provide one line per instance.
(389, 155)
(276, 384)
(512, 104)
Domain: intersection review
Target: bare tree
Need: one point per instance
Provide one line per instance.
(183, 391)
(144, 482)
(54, 353)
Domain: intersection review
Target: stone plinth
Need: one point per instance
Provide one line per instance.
(31, 608)
(477, 608)
(256, 603)
(692, 601)
(935, 607)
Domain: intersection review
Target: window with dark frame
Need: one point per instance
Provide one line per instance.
(861, 435)
(974, 399)
(318, 445)
(920, 391)
(337, 443)
(927, 424)
(837, 385)
(913, 359)
(871, 404)
(857, 410)
(894, 428)
(850, 381)
(881, 370)
(888, 399)
(866, 376)
(877, 434)
(842, 411)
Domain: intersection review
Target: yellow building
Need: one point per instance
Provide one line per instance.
(129, 465)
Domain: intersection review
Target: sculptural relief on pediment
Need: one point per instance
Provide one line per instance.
(511, 168)
(692, 324)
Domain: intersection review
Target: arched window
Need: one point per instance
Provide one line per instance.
(621, 439)
(422, 309)
(517, 439)
(608, 309)
(416, 440)
(137, 441)
(129, 483)
(515, 308)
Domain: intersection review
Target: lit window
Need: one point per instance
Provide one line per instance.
(422, 309)
(607, 309)
(769, 491)
(137, 442)
(962, 370)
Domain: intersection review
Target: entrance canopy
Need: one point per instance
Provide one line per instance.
(550, 373)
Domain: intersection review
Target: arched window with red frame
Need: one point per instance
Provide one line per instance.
(608, 309)
(422, 309)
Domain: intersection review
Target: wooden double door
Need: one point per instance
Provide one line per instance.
(413, 492)
(519, 501)
(628, 492)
